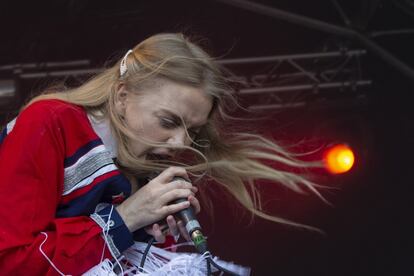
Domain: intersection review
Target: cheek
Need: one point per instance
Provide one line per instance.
(147, 128)
(138, 123)
(134, 124)
(132, 121)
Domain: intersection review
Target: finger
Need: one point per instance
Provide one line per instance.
(157, 233)
(172, 225)
(176, 184)
(195, 203)
(194, 189)
(173, 195)
(150, 231)
(183, 230)
(174, 208)
(168, 174)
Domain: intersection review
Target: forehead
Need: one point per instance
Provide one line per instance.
(190, 103)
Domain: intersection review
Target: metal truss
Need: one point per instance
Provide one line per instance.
(291, 81)
(343, 31)
(270, 82)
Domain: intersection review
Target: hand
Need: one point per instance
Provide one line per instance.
(173, 227)
(151, 203)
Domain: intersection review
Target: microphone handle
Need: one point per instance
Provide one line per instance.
(192, 226)
(187, 215)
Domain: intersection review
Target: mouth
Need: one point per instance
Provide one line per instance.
(158, 157)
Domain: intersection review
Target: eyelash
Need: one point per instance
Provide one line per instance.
(171, 123)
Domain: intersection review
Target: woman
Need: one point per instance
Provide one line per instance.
(69, 161)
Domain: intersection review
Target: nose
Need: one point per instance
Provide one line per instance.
(179, 138)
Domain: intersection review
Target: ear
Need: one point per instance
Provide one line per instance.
(121, 95)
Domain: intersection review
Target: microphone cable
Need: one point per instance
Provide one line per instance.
(144, 255)
(209, 261)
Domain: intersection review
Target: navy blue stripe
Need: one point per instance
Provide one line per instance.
(83, 205)
(120, 184)
(3, 135)
(69, 161)
(102, 192)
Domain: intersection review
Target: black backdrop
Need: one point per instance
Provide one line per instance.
(367, 231)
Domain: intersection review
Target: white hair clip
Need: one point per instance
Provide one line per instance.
(123, 68)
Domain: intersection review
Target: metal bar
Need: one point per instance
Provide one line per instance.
(287, 88)
(292, 75)
(309, 74)
(341, 103)
(341, 13)
(59, 73)
(290, 17)
(7, 88)
(287, 57)
(83, 62)
(391, 32)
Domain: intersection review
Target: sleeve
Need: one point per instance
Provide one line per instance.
(32, 240)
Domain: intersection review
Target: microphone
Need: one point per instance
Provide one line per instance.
(192, 225)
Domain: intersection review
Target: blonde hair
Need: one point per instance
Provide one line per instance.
(233, 161)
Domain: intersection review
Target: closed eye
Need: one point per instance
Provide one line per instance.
(169, 123)
(172, 121)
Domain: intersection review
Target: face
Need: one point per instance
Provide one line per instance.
(163, 112)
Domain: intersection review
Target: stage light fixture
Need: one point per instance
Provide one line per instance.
(339, 159)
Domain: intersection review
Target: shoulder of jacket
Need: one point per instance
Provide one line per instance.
(52, 108)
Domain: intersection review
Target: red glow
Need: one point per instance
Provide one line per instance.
(339, 159)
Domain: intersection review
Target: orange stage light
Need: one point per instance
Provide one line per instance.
(339, 159)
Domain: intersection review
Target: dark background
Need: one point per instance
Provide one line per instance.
(367, 231)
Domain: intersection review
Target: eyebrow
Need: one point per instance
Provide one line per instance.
(178, 118)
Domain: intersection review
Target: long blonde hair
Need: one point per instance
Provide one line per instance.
(233, 161)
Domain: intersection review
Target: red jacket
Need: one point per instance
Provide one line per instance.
(54, 172)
